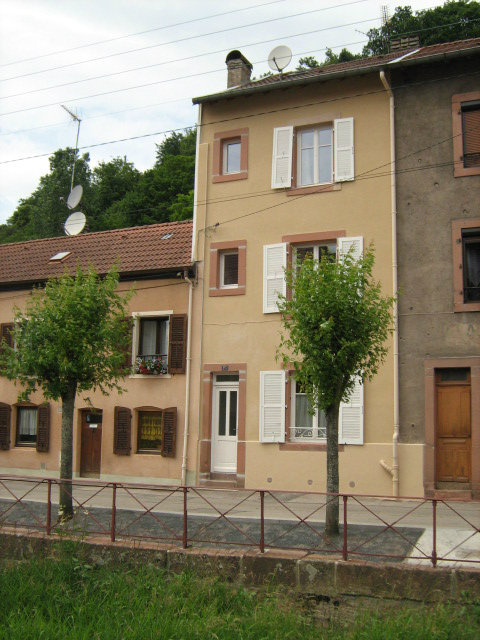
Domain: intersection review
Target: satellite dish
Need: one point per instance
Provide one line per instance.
(279, 58)
(75, 196)
(75, 223)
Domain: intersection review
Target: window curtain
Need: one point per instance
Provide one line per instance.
(27, 421)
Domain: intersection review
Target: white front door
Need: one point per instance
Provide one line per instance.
(225, 424)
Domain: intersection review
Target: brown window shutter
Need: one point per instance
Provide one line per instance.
(43, 428)
(5, 415)
(127, 363)
(122, 431)
(177, 348)
(471, 137)
(7, 333)
(169, 432)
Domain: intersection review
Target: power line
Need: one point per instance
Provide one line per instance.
(202, 35)
(141, 33)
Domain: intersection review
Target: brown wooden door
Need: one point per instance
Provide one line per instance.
(453, 427)
(91, 445)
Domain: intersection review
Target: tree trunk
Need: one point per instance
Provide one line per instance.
(66, 457)
(331, 516)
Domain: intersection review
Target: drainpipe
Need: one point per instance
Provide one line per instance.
(187, 378)
(393, 470)
(190, 304)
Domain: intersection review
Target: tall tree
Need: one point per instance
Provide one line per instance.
(71, 338)
(336, 322)
(454, 20)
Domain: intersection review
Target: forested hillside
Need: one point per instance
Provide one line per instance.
(115, 193)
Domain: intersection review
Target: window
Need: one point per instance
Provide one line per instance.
(33, 427)
(231, 151)
(466, 264)
(27, 426)
(159, 343)
(303, 425)
(466, 133)
(471, 265)
(152, 354)
(157, 431)
(315, 251)
(227, 268)
(230, 155)
(313, 156)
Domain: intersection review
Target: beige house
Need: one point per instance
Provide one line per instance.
(289, 164)
(138, 435)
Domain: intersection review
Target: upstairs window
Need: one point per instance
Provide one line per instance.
(27, 426)
(229, 269)
(315, 251)
(231, 156)
(153, 344)
(471, 264)
(314, 156)
(466, 133)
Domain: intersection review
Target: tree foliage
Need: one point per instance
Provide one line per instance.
(115, 194)
(336, 323)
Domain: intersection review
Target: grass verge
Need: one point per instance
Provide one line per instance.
(69, 599)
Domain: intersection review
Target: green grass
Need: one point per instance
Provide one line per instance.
(70, 599)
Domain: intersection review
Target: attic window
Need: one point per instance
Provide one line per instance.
(166, 236)
(58, 257)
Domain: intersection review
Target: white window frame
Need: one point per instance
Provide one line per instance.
(316, 248)
(137, 316)
(315, 130)
(222, 284)
(292, 426)
(225, 145)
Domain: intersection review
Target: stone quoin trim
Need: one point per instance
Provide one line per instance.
(217, 164)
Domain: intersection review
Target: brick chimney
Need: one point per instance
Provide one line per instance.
(239, 69)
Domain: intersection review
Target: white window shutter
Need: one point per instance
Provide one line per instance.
(343, 155)
(282, 157)
(274, 265)
(345, 244)
(350, 419)
(272, 406)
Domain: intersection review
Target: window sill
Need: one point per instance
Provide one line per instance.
(230, 177)
(24, 445)
(314, 188)
(141, 375)
(306, 446)
(148, 452)
(462, 307)
(234, 291)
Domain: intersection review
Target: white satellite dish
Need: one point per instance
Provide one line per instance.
(279, 58)
(75, 223)
(75, 196)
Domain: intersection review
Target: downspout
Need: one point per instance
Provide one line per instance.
(187, 378)
(190, 305)
(394, 469)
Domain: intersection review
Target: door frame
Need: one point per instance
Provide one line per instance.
(217, 387)
(430, 365)
(82, 413)
(205, 444)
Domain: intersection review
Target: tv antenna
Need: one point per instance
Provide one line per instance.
(279, 58)
(78, 121)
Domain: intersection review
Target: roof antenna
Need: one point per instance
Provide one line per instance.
(385, 20)
(78, 120)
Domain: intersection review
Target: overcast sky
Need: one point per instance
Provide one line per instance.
(72, 52)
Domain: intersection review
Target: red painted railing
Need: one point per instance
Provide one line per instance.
(371, 527)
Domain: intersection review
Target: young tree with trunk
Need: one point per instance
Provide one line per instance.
(336, 322)
(72, 337)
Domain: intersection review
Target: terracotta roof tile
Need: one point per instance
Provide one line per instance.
(145, 249)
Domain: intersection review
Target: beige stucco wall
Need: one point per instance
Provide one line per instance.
(234, 328)
(158, 391)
